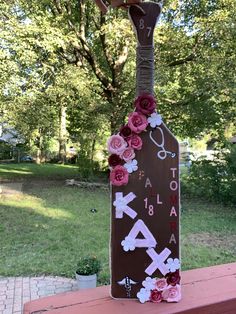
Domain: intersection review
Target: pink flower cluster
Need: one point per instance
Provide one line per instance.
(122, 146)
(167, 289)
(161, 289)
(169, 294)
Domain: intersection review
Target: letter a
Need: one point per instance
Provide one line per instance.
(172, 238)
(173, 212)
(148, 183)
(148, 241)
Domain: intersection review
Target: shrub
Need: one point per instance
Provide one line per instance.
(213, 179)
(5, 150)
(88, 265)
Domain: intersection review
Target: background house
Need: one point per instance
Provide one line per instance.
(10, 142)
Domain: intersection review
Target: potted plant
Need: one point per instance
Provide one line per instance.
(86, 273)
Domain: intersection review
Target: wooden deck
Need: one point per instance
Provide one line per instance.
(205, 290)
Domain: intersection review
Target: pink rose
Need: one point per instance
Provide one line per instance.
(155, 296)
(172, 294)
(145, 104)
(128, 154)
(137, 122)
(116, 144)
(136, 142)
(119, 176)
(161, 284)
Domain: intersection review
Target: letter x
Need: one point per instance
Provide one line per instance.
(157, 261)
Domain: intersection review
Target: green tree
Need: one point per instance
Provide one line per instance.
(196, 62)
(64, 56)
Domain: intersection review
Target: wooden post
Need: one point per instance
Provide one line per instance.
(145, 257)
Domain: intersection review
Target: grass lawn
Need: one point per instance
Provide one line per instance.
(25, 171)
(46, 229)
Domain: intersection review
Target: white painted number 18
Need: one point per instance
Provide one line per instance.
(149, 207)
(142, 26)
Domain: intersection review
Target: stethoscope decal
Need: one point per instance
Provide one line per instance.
(162, 154)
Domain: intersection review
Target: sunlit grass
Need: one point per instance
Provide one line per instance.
(34, 204)
(14, 171)
(43, 171)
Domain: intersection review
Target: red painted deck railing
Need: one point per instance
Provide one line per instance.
(210, 290)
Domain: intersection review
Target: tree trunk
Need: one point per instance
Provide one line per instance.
(92, 150)
(39, 150)
(62, 134)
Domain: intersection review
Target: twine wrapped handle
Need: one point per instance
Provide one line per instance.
(143, 16)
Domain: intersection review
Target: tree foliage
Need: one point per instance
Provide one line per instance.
(213, 179)
(58, 53)
(196, 54)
